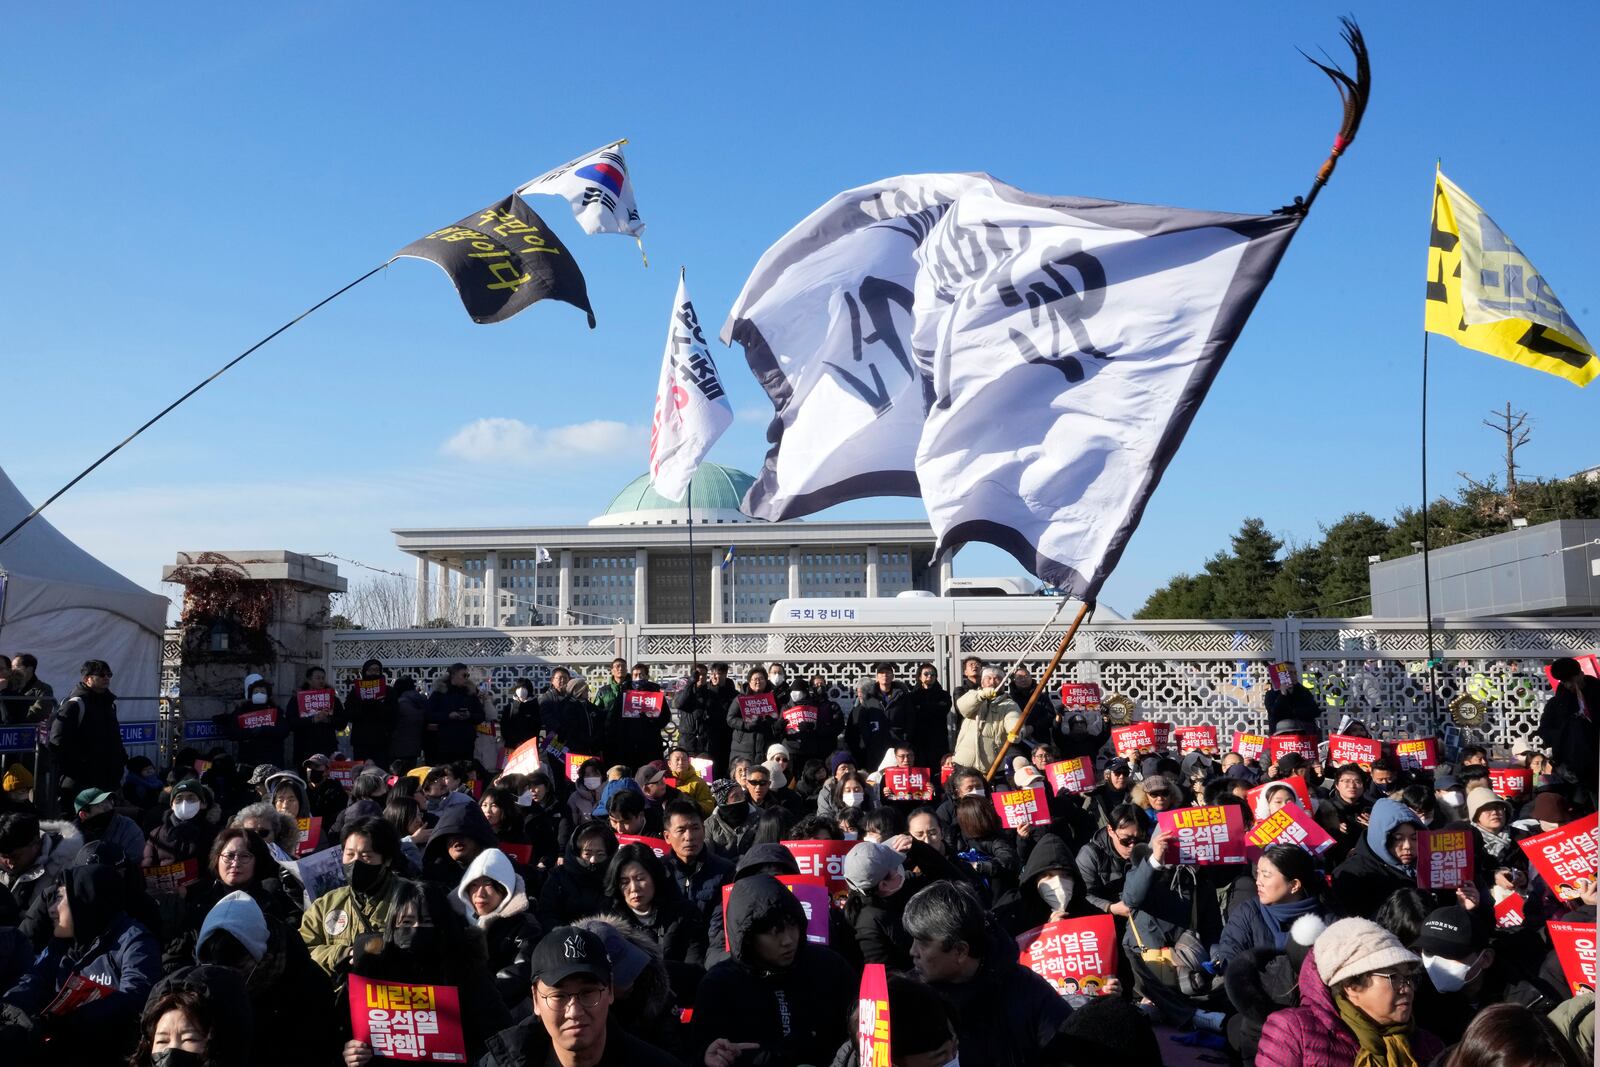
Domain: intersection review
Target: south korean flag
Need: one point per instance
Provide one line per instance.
(598, 188)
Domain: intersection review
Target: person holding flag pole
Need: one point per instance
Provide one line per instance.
(691, 412)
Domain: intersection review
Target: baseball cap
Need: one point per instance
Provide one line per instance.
(88, 798)
(870, 863)
(1449, 932)
(1446, 781)
(570, 952)
(649, 774)
(1116, 766)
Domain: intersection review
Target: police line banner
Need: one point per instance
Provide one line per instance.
(1027, 365)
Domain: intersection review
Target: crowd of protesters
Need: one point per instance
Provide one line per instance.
(571, 941)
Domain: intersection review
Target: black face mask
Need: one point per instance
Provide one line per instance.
(415, 940)
(736, 812)
(177, 1057)
(364, 877)
(96, 824)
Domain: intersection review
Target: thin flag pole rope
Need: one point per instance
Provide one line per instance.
(29, 517)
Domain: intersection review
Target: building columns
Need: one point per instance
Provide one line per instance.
(641, 587)
(491, 588)
(422, 591)
(564, 588)
(872, 570)
(794, 572)
(716, 586)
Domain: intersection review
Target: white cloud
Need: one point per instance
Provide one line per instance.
(754, 414)
(513, 441)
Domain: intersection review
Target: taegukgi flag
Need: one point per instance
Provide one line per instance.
(598, 188)
(1483, 293)
(1028, 365)
(692, 409)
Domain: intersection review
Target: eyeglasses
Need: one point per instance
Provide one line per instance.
(1128, 842)
(235, 859)
(761, 783)
(560, 1002)
(1398, 981)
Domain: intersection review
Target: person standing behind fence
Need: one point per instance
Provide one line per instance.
(37, 698)
(317, 717)
(371, 708)
(454, 713)
(85, 738)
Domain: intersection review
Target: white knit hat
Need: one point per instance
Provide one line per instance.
(1352, 947)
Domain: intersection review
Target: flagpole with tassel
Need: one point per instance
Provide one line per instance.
(694, 640)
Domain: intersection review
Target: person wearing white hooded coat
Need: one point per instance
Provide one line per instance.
(494, 898)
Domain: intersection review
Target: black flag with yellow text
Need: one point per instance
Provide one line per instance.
(502, 259)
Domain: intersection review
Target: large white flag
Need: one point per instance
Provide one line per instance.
(598, 188)
(1027, 365)
(692, 409)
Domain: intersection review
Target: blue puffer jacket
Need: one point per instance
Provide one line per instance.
(109, 949)
(1250, 926)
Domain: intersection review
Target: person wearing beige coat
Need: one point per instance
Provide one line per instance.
(988, 713)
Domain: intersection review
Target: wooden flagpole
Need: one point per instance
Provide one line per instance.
(1055, 661)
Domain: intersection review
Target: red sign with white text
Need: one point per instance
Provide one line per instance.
(1206, 836)
(1250, 746)
(1419, 754)
(1196, 739)
(753, 706)
(907, 783)
(1565, 855)
(407, 1023)
(1510, 912)
(310, 834)
(637, 703)
(1076, 956)
(264, 719)
(1282, 676)
(1080, 696)
(1134, 738)
(1362, 751)
(813, 896)
(574, 761)
(1574, 944)
(1304, 745)
(1510, 783)
(1071, 775)
(1289, 825)
(314, 702)
(372, 689)
(1022, 807)
(824, 860)
(1294, 782)
(654, 844)
(872, 1017)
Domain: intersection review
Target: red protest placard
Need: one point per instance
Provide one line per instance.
(171, 879)
(1134, 738)
(1195, 739)
(1074, 955)
(1444, 858)
(1282, 676)
(797, 717)
(1204, 836)
(574, 761)
(313, 702)
(1071, 775)
(655, 844)
(1565, 855)
(264, 719)
(813, 896)
(872, 1017)
(343, 771)
(1080, 696)
(1022, 807)
(407, 1023)
(907, 783)
(1418, 754)
(1289, 825)
(522, 854)
(1304, 745)
(525, 758)
(1294, 782)
(1510, 783)
(824, 860)
(75, 992)
(753, 706)
(1510, 913)
(1574, 944)
(637, 703)
(310, 834)
(1362, 751)
(1250, 746)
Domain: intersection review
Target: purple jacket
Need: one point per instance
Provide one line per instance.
(1313, 1035)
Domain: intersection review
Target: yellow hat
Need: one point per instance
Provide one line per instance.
(18, 779)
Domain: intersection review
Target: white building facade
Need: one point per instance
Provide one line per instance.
(632, 563)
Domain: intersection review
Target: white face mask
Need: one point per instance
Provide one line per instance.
(1056, 891)
(798, 695)
(1455, 798)
(776, 678)
(591, 784)
(1448, 975)
(852, 800)
(184, 810)
(521, 693)
(258, 698)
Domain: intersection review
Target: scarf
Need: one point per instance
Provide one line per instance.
(1282, 916)
(1496, 844)
(1381, 1046)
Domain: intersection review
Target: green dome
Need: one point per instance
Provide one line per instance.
(715, 489)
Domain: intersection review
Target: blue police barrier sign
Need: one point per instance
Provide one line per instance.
(17, 738)
(138, 733)
(200, 731)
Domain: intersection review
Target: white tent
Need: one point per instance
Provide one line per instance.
(64, 606)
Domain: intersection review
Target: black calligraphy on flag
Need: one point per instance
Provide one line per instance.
(502, 259)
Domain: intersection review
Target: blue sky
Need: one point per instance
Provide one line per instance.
(183, 179)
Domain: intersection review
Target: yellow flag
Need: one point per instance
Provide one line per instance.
(1483, 293)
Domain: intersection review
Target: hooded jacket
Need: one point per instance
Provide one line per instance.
(458, 820)
(510, 930)
(59, 844)
(1369, 874)
(569, 723)
(576, 889)
(1028, 909)
(257, 730)
(1008, 1016)
(294, 782)
(1313, 1035)
(235, 1032)
(984, 728)
(797, 1014)
(691, 785)
(774, 858)
(752, 739)
(85, 741)
(448, 739)
(1341, 818)
(334, 920)
(176, 840)
(107, 948)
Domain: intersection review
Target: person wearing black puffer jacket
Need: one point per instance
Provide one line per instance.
(882, 877)
(85, 739)
(576, 889)
(779, 991)
(1049, 889)
(460, 834)
(754, 731)
(775, 859)
(454, 712)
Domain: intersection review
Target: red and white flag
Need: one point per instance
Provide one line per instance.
(692, 408)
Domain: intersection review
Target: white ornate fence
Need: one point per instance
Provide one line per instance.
(1211, 671)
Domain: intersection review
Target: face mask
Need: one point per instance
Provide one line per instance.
(1056, 891)
(525, 799)
(364, 877)
(184, 810)
(852, 800)
(850, 835)
(415, 939)
(258, 698)
(1453, 797)
(521, 693)
(592, 784)
(797, 695)
(736, 812)
(176, 1057)
(96, 823)
(776, 678)
(1448, 975)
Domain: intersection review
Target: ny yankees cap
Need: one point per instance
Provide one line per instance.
(568, 952)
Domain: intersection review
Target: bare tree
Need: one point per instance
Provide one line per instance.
(382, 602)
